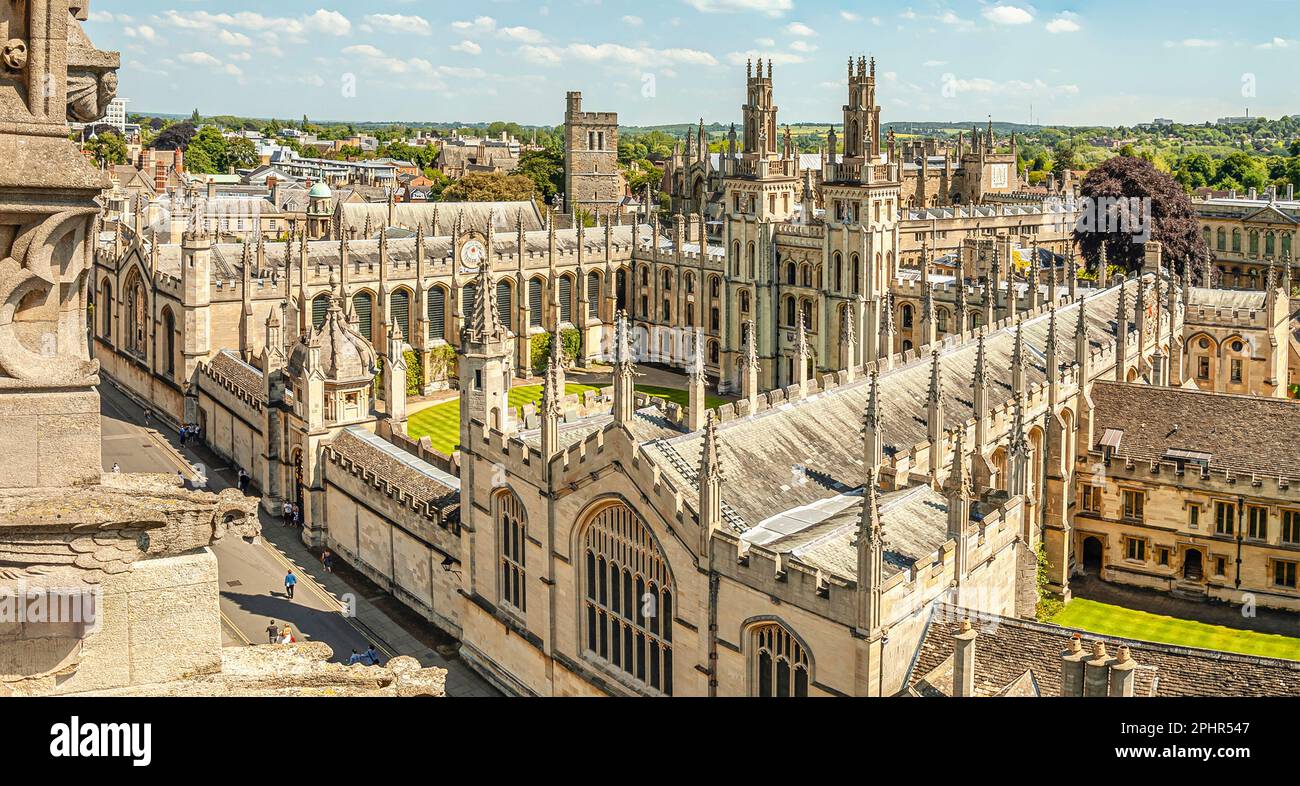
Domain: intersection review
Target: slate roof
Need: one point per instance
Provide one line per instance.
(1247, 434)
(1227, 299)
(412, 214)
(423, 481)
(243, 376)
(823, 434)
(1007, 648)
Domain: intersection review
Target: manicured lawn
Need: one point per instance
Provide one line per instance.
(441, 422)
(1110, 620)
(680, 396)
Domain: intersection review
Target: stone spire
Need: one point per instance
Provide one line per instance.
(1018, 361)
(929, 330)
(849, 345)
(957, 489)
(697, 380)
(1082, 348)
(395, 379)
(749, 366)
(888, 329)
(710, 485)
(624, 371)
(1051, 361)
(871, 557)
(934, 414)
(485, 321)
(980, 390)
(874, 425)
(1121, 332)
(552, 408)
(1018, 453)
(802, 354)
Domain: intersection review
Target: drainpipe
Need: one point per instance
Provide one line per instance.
(1241, 515)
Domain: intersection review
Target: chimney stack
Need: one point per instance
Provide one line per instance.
(963, 661)
(1122, 673)
(1096, 672)
(1072, 668)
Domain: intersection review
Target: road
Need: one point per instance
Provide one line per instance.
(251, 575)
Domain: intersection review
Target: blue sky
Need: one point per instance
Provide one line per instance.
(670, 61)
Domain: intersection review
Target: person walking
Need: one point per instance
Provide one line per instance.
(286, 513)
(116, 469)
(272, 632)
(327, 559)
(372, 656)
(286, 635)
(356, 657)
(290, 581)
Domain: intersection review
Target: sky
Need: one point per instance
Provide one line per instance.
(1087, 62)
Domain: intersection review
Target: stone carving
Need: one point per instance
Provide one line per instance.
(92, 77)
(14, 54)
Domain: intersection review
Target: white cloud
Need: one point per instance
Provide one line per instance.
(322, 21)
(803, 46)
(363, 50)
(143, 32)
(633, 21)
(1065, 22)
(1008, 15)
(777, 58)
(525, 35)
(467, 47)
(1276, 43)
(1193, 43)
(767, 7)
(480, 26)
(766, 43)
(800, 29)
(199, 58)
(616, 54)
(234, 39)
(399, 23)
(849, 16)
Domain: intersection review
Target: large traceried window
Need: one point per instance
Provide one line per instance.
(512, 532)
(779, 662)
(628, 598)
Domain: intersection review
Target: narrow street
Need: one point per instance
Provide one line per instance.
(252, 575)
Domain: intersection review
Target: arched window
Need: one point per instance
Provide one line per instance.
(506, 304)
(715, 287)
(805, 275)
(593, 294)
(808, 314)
(839, 272)
(715, 319)
(1270, 244)
(744, 301)
(778, 663)
(667, 281)
(789, 312)
(753, 262)
(512, 540)
(169, 341)
(105, 305)
(943, 320)
(1222, 239)
(437, 312)
(1236, 241)
(535, 302)
(628, 596)
(566, 299)
(735, 258)
(1254, 242)
(713, 352)
(363, 306)
(320, 306)
(857, 275)
(468, 294)
(789, 273)
(136, 327)
(907, 315)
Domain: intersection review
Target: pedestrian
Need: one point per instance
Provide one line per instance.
(286, 635)
(272, 632)
(327, 559)
(116, 468)
(185, 435)
(242, 480)
(356, 657)
(148, 415)
(297, 515)
(372, 655)
(286, 513)
(290, 581)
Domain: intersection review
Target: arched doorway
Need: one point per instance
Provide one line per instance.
(299, 492)
(1193, 565)
(1092, 556)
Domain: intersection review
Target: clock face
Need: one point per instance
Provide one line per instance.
(473, 253)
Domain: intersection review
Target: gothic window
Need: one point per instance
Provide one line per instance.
(668, 281)
(1270, 244)
(808, 314)
(744, 301)
(715, 287)
(943, 321)
(907, 315)
(593, 294)
(667, 310)
(1254, 242)
(505, 305)
(690, 315)
(106, 304)
(715, 320)
(512, 537)
(137, 317)
(1236, 241)
(805, 275)
(435, 311)
(620, 280)
(566, 299)
(320, 306)
(1225, 518)
(789, 273)
(688, 281)
(535, 302)
(628, 598)
(778, 663)
(838, 272)
(735, 258)
(713, 352)
(169, 341)
(753, 264)
(1222, 239)
(857, 275)
(363, 306)
(789, 312)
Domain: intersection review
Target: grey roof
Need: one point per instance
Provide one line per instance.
(1238, 299)
(474, 215)
(1241, 433)
(820, 439)
(243, 376)
(423, 481)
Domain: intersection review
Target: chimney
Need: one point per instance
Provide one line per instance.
(1096, 672)
(1122, 673)
(963, 662)
(1072, 668)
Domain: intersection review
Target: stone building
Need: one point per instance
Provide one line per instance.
(593, 183)
(1246, 233)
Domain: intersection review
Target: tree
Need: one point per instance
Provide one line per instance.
(546, 169)
(175, 137)
(1172, 219)
(108, 147)
(1244, 170)
(490, 187)
(1067, 160)
(241, 153)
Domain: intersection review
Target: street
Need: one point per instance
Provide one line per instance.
(252, 575)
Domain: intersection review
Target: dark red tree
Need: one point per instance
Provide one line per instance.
(1172, 218)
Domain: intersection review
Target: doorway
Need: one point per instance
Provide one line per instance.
(1092, 556)
(1193, 567)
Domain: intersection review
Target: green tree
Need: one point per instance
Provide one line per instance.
(108, 147)
(545, 168)
(490, 187)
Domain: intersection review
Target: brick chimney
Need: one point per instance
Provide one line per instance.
(1122, 673)
(1072, 668)
(963, 661)
(1096, 672)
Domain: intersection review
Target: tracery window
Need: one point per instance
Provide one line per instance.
(778, 662)
(512, 533)
(137, 318)
(628, 598)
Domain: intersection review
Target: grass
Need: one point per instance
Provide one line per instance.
(441, 422)
(1107, 620)
(681, 397)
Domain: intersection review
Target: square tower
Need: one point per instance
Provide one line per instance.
(592, 180)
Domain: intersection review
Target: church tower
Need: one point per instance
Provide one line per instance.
(484, 362)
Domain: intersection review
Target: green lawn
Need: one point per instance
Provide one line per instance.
(1125, 623)
(441, 422)
(680, 396)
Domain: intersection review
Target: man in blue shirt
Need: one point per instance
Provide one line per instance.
(289, 581)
